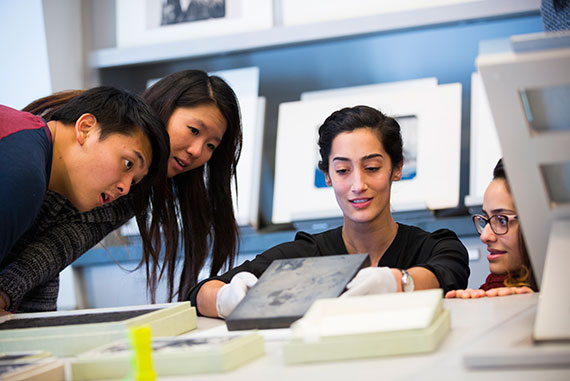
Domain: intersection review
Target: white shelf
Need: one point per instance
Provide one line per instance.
(283, 36)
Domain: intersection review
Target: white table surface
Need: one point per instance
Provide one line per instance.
(479, 325)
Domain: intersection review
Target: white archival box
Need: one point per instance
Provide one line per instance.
(410, 85)
(534, 130)
(484, 147)
(245, 83)
(369, 326)
(436, 184)
(369, 313)
(255, 175)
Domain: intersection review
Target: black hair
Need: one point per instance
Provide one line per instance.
(202, 195)
(120, 112)
(349, 119)
(47, 106)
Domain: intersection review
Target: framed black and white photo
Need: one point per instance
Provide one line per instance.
(148, 22)
(183, 11)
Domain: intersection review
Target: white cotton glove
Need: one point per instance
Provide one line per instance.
(232, 293)
(372, 280)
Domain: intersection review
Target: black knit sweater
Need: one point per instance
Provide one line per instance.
(29, 275)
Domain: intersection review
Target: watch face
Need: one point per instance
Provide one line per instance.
(407, 282)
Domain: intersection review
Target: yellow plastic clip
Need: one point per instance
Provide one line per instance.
(141, 358)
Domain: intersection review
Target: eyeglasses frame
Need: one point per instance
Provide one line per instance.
(509, 217)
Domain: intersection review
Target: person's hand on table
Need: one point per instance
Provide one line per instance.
(504, 291)
(500, 291)
(465, 294)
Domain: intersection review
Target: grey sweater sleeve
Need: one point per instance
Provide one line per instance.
(60, 235)
(42, 298)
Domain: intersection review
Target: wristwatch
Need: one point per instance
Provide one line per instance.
(407, 281)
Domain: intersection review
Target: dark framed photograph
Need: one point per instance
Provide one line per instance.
(148, 22)
(181, 11)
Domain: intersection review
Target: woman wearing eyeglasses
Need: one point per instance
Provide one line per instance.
(509, 264)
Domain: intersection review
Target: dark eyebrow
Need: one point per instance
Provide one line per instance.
(367, 157)
(372, 156)
(499, 211)
(141, 158)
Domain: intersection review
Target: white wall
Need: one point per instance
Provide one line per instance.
(42, 50)
(63, 21)
(24, 67)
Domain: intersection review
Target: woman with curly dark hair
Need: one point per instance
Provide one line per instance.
(511, 272)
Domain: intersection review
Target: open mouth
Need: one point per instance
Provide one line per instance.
(495, 254)
(180, 162)
(105, 198)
